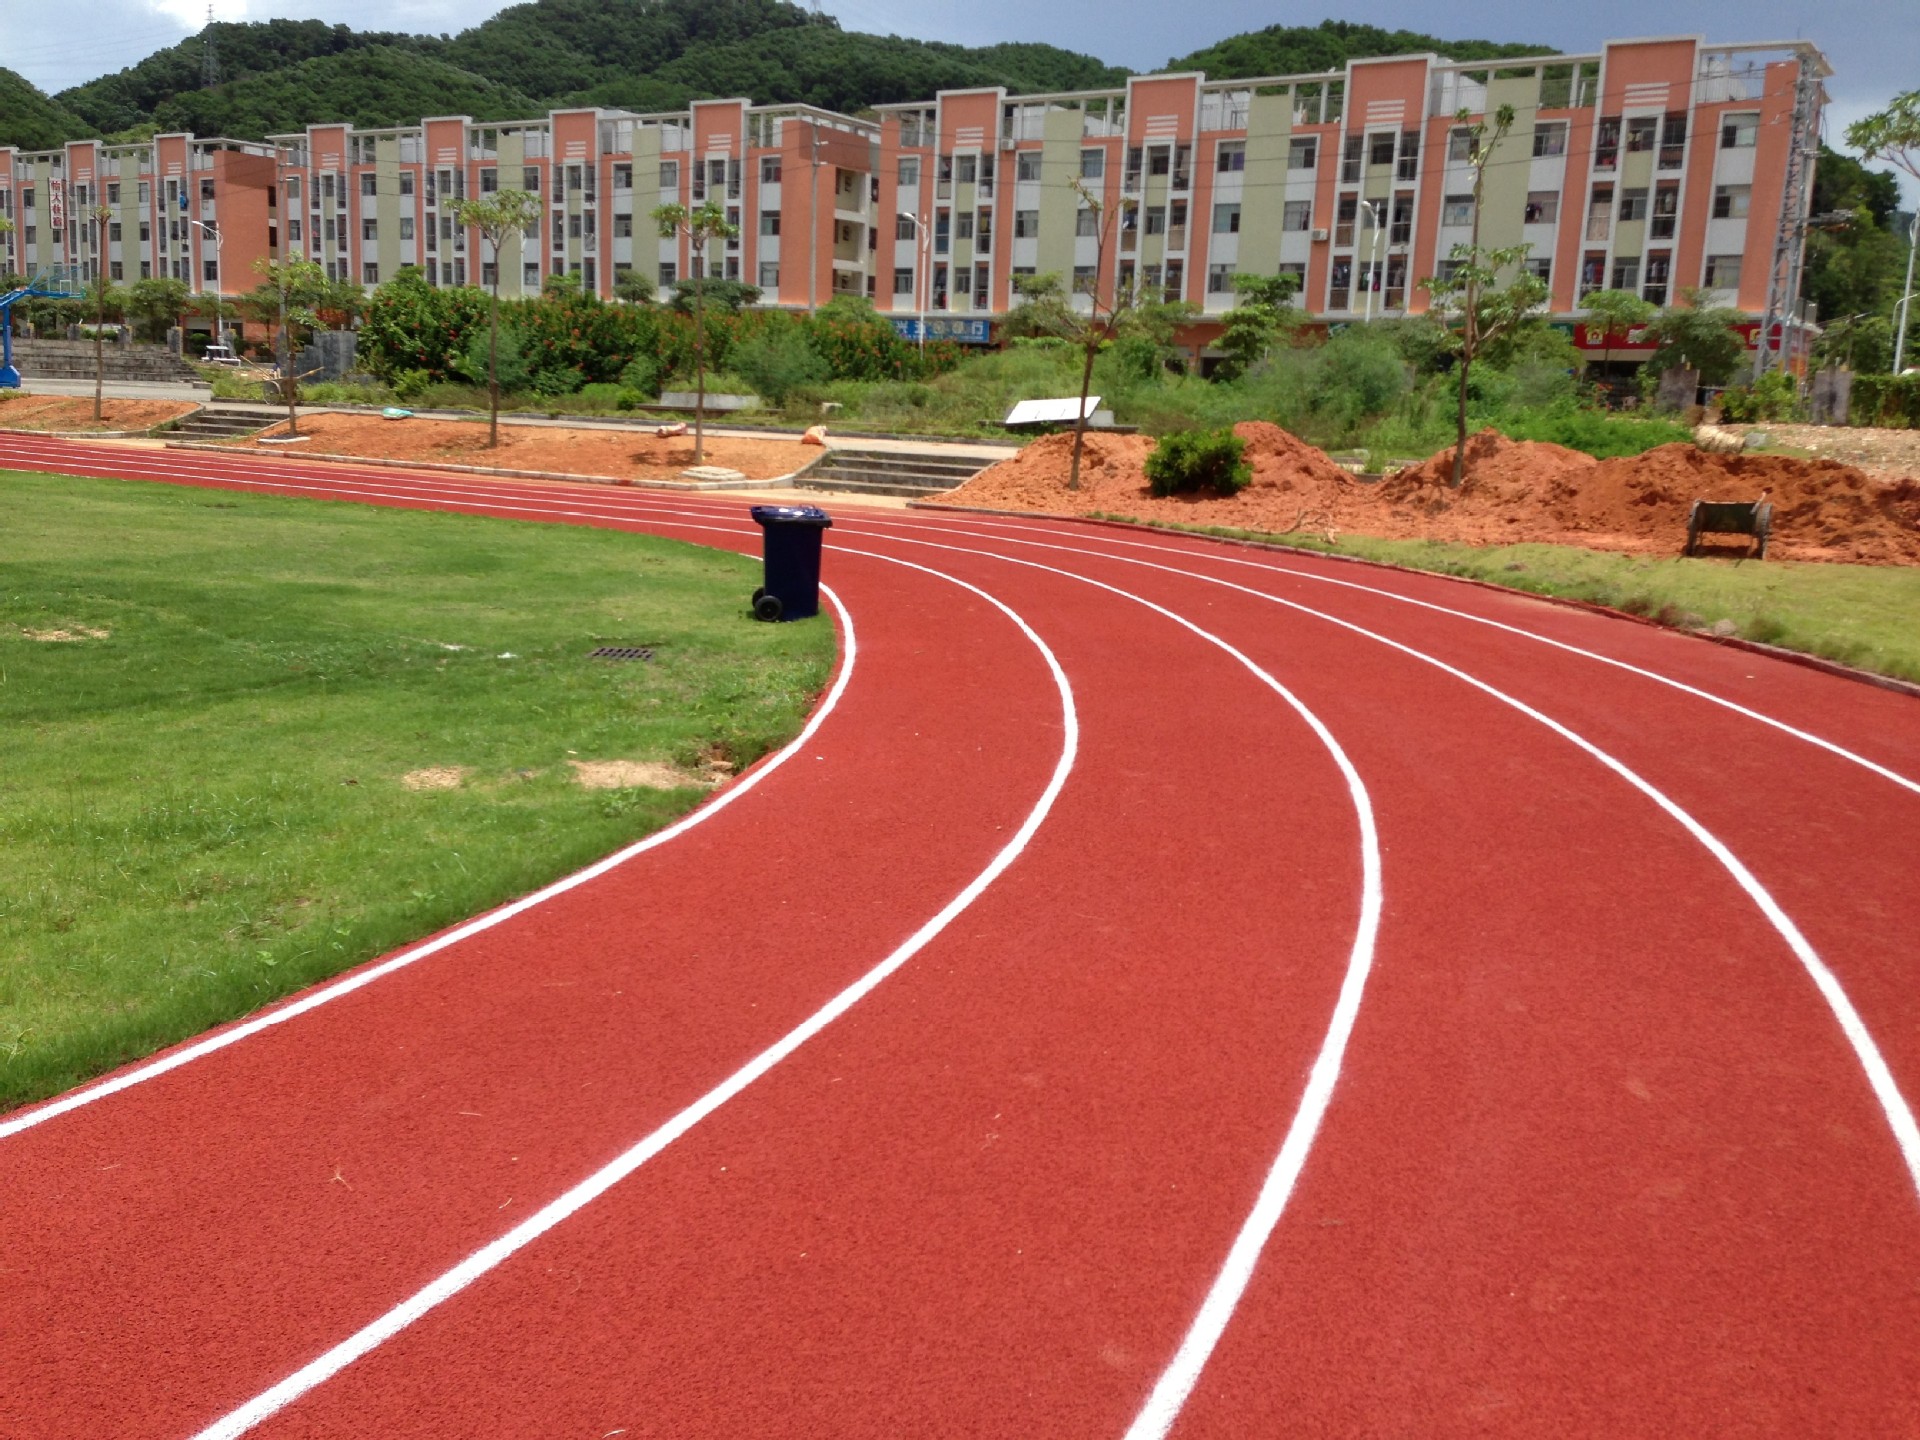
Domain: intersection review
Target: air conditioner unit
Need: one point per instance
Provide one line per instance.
(1320, 235)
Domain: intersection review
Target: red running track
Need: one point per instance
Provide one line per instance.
(1607, 1130)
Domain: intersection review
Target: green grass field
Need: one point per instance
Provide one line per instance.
(1862, 615)
(201, 797)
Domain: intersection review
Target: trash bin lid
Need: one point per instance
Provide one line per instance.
(791, 515)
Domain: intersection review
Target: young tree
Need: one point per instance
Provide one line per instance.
(1472, 295)
(293, 287)
(1104, 320)
(102, 286)
(1893, 135)
(498, 216)
(697, 227)
(157, 304)
(1615, 312)
(1698, 336)
(633, 288)
(1263, 313)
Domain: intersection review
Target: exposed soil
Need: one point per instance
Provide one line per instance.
(1887, 453)
(75, 412)
(630, 774)
(435, 777)
(1514, 491)
(66, 636)
(608, 454)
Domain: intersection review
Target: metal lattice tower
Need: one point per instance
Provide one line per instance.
(1796, 195)
(209, 61)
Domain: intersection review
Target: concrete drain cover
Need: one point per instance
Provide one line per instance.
(622, 652)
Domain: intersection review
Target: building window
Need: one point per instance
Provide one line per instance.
(1219, 279)
(1457, 210)
(903, 280)
(113, 232)
(1723, 272)
(1633, 204)
(293, 229)
(1026, 165)
(1297, 215)
(1350, 157)
(1739, 132)
(406, 185)
(113, 270)
(530, 275)
(1626, 274)
(211, 269)
(1730, 201)
(623, 227)
(146, 269)
(368, 182)
(668, 274)
(770, 275)
(966, 169)
(1230, 157)
(1380, 148)
(669, 175)
(1087, 222)
(406, 228)
(963, 225)
(1541, 270)
(1549, 140)
(1642, 133)
(769, 222)
(1673, 142)
(1093, 164)
(1226, 219)
(369, 273)
(1156, 221)
(1400, 228)
(1459, 144)
(489, 180)
(1543, 207)
(369, 229)
(1026, 224)
(1659, 271)
(1159, 160)
(909, 173)
(1408, 167)
(144, 194)
(1083, 279)
(1303, 152)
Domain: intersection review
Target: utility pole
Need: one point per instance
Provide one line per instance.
(1906, 296)
(1796, 190)
(813, 217)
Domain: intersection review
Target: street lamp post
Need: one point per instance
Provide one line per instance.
(219, 316)
(920, 275)
(1373, 262)
(1906, 299)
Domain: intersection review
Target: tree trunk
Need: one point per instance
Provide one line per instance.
(1080, 418)
(1460, 435)
(493, 361)
(288, 390)
(99, 354)
(699, 361)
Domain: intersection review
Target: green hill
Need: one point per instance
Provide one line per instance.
(1304, 49)
(278, 75)
(32, 121)
(372, 85)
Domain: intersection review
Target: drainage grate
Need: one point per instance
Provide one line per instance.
(622, 652)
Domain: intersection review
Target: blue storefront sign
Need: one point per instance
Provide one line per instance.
(940, 327)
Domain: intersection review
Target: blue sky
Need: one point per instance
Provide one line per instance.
(1874, 44)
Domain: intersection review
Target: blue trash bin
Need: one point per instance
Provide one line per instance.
(792, 536)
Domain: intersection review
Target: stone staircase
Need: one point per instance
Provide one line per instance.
(217, 423)
(916, 474)
(73, 360)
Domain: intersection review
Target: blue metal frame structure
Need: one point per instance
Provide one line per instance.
(56, 282)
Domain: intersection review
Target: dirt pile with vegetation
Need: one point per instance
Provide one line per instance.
(1512, 491)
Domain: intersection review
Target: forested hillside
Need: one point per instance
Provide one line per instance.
(279, 75)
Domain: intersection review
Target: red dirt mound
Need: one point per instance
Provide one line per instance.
(1502, 469)
(1821, 510)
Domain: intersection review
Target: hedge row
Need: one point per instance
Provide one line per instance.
(1892, 400)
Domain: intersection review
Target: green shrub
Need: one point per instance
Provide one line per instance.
(778, 362)
(599, 397)
(336, 392)
(1599, 433)
(642, 376)
(1892, 400)
(1773, 396)
(409, 385)
(1190, 460)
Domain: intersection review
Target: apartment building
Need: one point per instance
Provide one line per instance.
(796, 182)
(201, 211)
(1654, 166)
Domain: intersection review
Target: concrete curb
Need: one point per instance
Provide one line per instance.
(778, 482)
(1732, 642)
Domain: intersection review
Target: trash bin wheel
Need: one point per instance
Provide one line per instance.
(767, 607)
(758, 591)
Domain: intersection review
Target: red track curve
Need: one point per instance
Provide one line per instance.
(1599, 1158)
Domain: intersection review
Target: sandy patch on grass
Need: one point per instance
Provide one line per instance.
(63, 636)
(435, 777)
(629, 775)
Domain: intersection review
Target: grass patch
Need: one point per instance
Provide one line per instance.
(1862, 615)
(201, 795)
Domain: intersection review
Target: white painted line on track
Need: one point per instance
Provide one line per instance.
(431, 1296)
(327, 993)
(1277, 569)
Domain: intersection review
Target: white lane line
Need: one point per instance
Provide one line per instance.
(1276, 569)
(318, 1371)
(1176, 1383)
(325, 994)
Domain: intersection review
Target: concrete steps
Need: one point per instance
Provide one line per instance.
(915, 474)
(73, 360)
(216, 424)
